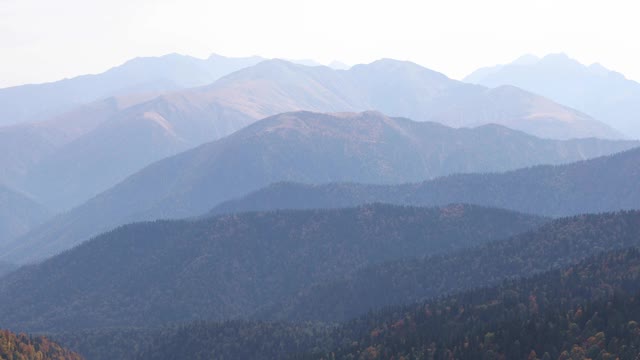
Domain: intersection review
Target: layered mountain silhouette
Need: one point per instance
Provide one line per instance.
(595, 90)
(18, 214)
(604, 184)
(224, 267)
(109, 153)
(306, 147)
(151, 74)
(175, 207)
(141, 132)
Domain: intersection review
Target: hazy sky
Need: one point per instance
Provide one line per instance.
(44, 40)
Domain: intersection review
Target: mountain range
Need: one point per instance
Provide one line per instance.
(35, 102)
(397, 88)
(603, 184)
(141, 129)
(26, 148)
(161, 272)
(604, 94)
(303, 146)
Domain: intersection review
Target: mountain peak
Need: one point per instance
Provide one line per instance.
(598, 69)
(215, 56)
(324, 123)
(605, 95)
(388, 62)
(305, 62)
(393, 67)
(338, 65)
(556, 56)
(527, 59)
(560, 59)
(277, 62)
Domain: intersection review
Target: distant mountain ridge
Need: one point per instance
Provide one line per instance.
(594, 89)
(139, 130)
(32, 102)
(308, 147)
(25, 148)
(398, 88)
(603, 184)
(83, 146)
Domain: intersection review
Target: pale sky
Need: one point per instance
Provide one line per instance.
(45, 40)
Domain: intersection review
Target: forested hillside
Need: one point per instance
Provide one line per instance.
(559, 243)
(608, 183)
(24, 347)
(202, 340)
(6, 267)
(225, 267)
(588, 310)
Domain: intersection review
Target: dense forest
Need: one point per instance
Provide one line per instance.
(608, 183)
(316, 265)
(515, 298)
(556, 244)
(227, 267)
(6, 268)
(202, 340)
(588, 310)
(24, 347)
